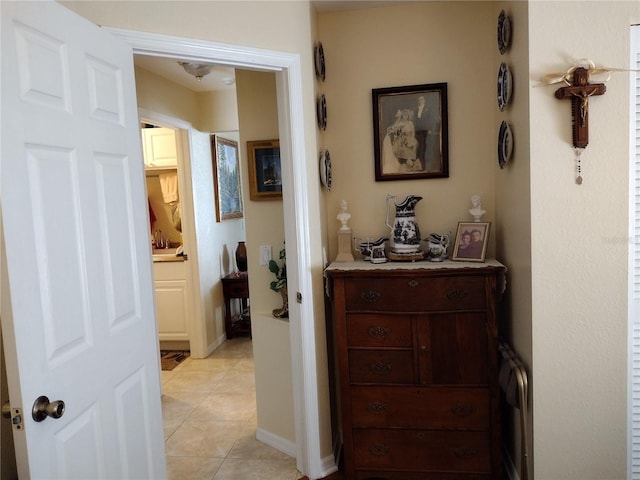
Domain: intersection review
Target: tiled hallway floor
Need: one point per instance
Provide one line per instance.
(209, 412)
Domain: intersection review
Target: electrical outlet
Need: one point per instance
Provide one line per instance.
(265, 254)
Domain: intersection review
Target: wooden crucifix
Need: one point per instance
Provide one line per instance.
(579, 93)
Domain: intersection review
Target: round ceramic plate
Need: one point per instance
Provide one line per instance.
(504, 32)
(505, 144)
(505, 86)
(325, 169)
(321, 112)
(319, 61)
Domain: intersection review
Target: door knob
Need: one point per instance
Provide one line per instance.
(42, 409)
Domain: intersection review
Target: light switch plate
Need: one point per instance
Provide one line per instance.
(265, 254)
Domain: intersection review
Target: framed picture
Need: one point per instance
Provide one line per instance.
(410, 132)
(471, 241)
(265, 172)
(226, 178)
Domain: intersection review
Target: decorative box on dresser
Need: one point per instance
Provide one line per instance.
(417, 361)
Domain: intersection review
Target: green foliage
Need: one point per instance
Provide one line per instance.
(280, 271)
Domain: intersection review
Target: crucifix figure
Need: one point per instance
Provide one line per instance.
(579, 93)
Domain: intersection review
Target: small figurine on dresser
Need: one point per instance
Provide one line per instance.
(476, 210)
(344, 235)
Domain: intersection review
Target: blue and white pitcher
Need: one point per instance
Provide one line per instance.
(405, 234)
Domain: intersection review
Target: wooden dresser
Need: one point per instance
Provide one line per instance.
(416, 348)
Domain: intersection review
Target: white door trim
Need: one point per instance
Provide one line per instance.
(290, 112)
(195, 324)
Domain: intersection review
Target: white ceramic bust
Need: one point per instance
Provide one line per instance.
(476, 210)
(343, 216)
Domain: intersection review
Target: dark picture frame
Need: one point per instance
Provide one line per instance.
(226, 178)
(471, 241)
(407, 144)
(265, 170)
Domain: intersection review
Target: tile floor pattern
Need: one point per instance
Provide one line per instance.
(209, 412)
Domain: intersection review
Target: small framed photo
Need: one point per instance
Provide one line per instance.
(265, 172)
(471, 241)
(410, 132)
(226, 178)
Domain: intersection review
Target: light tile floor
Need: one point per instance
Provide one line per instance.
(209, 412)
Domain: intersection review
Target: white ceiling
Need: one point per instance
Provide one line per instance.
(170, 69)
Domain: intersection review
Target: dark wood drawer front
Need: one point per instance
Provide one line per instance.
(236, 290)
(415, 294)
(378, 331)
(422, 450)
(405, 475)
(381, 366)
(438, 407)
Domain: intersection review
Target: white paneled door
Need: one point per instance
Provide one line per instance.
(79, 324)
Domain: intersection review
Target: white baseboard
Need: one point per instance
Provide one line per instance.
(213, 346)
(509, 466)
(329, 466)
(282, 444)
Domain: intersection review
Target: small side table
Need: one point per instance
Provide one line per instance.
(236, 285)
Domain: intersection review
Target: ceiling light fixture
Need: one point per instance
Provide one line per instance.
(198, 70)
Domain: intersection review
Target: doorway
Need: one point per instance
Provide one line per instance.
(291, 127)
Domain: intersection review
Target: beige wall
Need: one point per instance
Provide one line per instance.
(258, 115)
(410, 45)
(579, 243)
(513, 217)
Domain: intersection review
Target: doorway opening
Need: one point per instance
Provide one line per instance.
(296, 213)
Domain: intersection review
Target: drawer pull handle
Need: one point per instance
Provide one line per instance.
(377, 408)
(414, 283)
(461, 409)
(457, 294)
(378, 450)
(420, 436)
(369, 296)
(380, 368)
(378, 332)
(465, 452)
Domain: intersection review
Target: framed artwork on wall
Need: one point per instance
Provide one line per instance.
(226, 178)
(410, 132)
(265, 172)
(471, 242)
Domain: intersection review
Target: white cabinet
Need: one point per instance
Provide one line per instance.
(159, 147)
(173, 307)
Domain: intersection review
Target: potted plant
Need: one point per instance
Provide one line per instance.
(280, 283)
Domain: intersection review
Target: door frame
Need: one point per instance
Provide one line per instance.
(287, 69)
(195, 322)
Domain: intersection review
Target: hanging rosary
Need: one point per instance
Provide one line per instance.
(579, 165)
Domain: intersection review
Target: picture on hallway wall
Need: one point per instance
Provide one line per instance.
(410, 132)
(226, 178)
(265, 171)
(471, 241)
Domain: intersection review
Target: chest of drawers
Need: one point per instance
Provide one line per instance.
(417, 368)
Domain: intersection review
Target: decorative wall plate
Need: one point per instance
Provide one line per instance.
(505, 86)
(504, 32)
(325, 169)
(319, 61)
(321, 112)
(505, 144)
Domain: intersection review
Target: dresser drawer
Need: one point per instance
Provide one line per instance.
(436, 407)
(370, 330)
(422, 450)
(381, 366)
(407, 294)
(416, 475)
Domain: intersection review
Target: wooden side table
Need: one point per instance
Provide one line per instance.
(236, 286)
